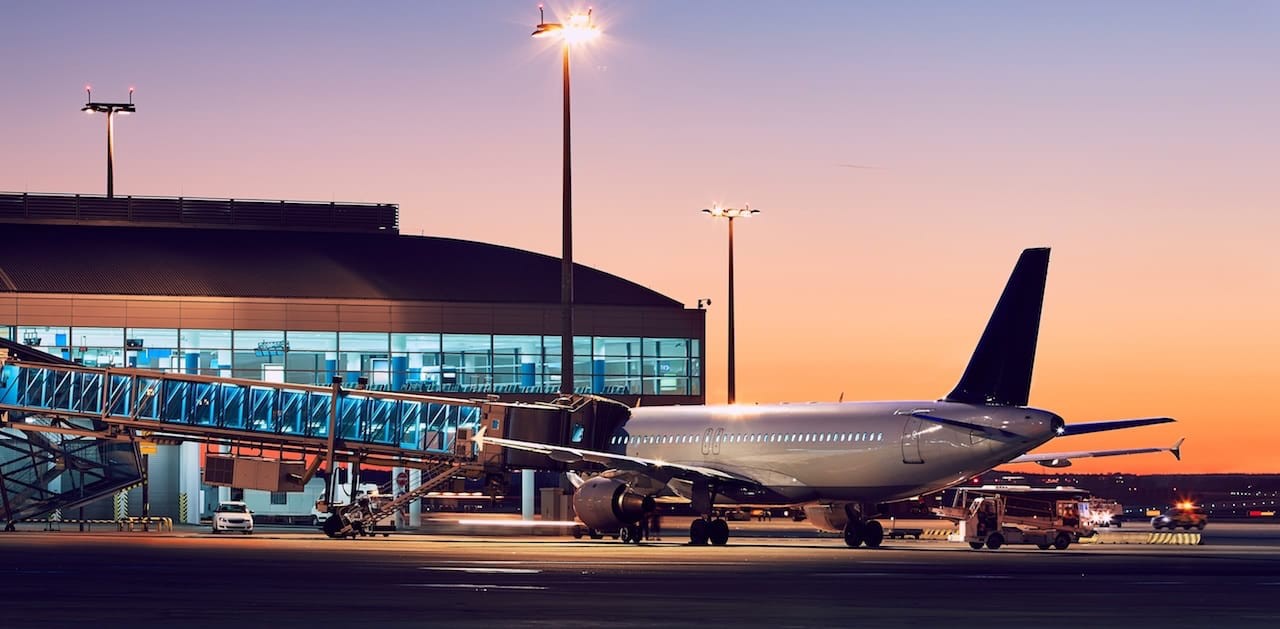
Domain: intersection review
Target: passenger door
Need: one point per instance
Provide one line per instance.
(911, 431)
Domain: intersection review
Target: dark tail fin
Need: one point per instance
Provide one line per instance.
(1000, 370)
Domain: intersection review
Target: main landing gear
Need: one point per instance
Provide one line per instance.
(858, 531)
(705, 529)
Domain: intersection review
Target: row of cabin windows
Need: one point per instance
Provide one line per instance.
(826, 437)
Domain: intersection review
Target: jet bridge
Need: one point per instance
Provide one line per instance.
(69, 434)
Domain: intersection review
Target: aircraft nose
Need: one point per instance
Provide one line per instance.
(1058, 425)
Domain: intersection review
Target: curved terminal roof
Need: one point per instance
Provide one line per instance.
(175, 261)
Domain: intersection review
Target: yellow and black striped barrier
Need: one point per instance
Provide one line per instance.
(50, 522)
(1144, 537)
(1178, 539)
(935, 533)
(182, 506)
(153, 523)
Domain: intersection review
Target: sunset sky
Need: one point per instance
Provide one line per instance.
(903, 154)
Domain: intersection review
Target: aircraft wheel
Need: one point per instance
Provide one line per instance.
(1044, 546)
(718, 532)
(332, 526)
(872, 534)
(577, 532)
(629, 534)
(698, 533)
(978, 546)
(852, 534)
(594, 534)
(1062, 541)
(994, 541)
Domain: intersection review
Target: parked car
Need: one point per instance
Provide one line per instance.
(233, 516)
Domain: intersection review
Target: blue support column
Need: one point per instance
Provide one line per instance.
(597, 375)
(399, 372)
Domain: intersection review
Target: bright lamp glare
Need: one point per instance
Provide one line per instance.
(576, 29)
(579, 30)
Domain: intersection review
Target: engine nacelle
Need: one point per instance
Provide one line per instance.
(606, 504)
(829, 518)
(1056, 463)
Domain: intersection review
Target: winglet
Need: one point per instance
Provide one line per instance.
(1177, 449)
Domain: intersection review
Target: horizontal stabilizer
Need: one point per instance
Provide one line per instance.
(1111, 424)
(1063, 459)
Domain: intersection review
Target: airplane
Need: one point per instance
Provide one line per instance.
(837, 461)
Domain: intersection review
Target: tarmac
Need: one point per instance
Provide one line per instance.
(772, 574)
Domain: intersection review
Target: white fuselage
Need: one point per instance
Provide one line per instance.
(830, 452)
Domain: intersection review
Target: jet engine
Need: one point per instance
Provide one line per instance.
(830, 518)
(606, 504)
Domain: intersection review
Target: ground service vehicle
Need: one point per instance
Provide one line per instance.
(370, 514)
(1102, 512)
(1184, 515)
(993, 518)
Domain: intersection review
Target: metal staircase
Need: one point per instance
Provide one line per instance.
(359, 517)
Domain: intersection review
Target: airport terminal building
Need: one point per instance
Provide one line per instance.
(305, 293)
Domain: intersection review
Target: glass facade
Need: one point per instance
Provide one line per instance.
(412, 362)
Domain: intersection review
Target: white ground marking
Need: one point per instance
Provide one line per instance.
(859, 574)
(474, 586)
(481, 570)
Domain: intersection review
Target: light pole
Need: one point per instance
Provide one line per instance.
(110, 109)
(731, 213)
(578, 28)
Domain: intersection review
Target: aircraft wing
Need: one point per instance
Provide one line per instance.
(663, 470)
(1063, 459)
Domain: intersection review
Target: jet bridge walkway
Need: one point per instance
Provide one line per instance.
(69, 433)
